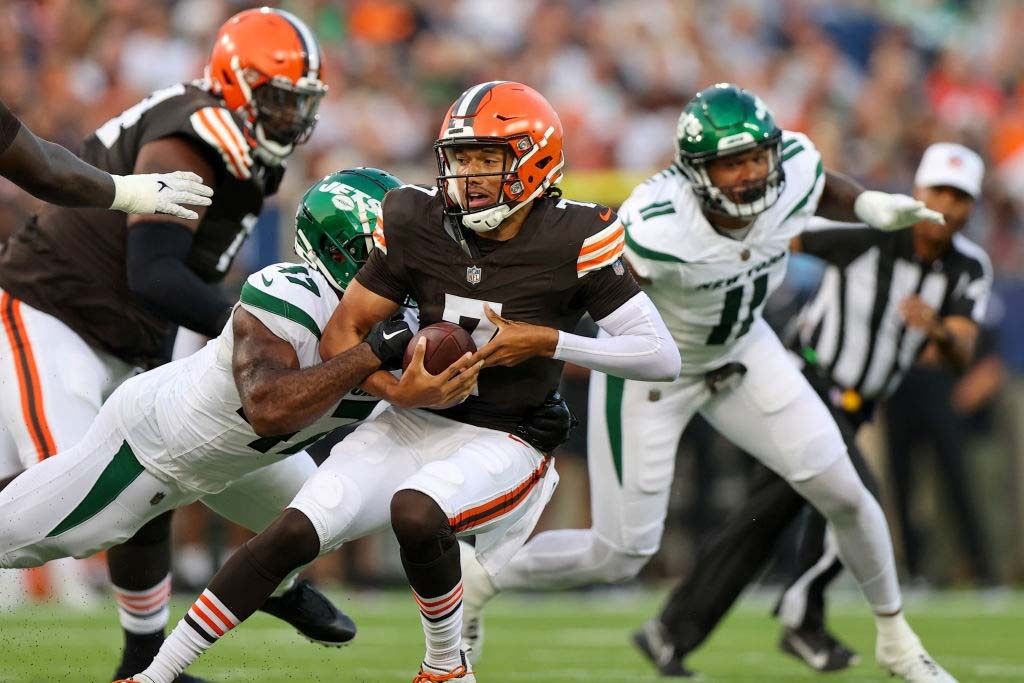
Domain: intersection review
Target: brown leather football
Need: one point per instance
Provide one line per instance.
(446, 343)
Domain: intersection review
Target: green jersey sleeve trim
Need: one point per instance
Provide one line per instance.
(257, 298)
(646, 253)
(817, 174)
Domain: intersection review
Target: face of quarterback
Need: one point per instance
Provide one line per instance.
(953, 203)
(741, 177)
(484, 168)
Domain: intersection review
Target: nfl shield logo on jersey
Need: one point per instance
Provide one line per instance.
(473, 275)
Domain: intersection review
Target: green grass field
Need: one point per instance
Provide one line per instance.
(536, 639)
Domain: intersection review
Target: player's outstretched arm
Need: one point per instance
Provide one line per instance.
(278, 396)
(50, 172)
(844, 199)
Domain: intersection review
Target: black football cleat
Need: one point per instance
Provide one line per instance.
(819, 650)
(312, 615)
(653, 643)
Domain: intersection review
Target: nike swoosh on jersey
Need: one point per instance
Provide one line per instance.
(266, 282)
(605, 215)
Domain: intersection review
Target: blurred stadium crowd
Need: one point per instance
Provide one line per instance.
(872, 82)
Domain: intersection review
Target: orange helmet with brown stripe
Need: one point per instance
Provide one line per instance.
(268, 63)
(514, 118)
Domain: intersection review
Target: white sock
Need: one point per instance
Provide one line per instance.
(204, 624)
(895, 629)
(441, 617)
(145, 611)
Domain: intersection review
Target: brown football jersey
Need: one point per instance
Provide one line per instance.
(563, 263)
(70, 262)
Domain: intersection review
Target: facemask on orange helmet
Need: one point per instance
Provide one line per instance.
(267, 63)
(513, 119)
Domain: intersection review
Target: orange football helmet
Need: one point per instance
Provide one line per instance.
(268, 63)
(515, 118)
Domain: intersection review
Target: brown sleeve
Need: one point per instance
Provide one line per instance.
(605, 289)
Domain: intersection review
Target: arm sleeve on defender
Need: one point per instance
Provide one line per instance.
(837, 243)
(639, 345)
(157, 274)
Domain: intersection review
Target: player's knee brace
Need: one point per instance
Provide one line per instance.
(420, 525)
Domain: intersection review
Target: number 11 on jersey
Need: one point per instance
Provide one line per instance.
(722, 332)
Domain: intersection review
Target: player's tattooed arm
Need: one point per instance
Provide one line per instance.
(277, 395)
(358, 311)
(838, 197)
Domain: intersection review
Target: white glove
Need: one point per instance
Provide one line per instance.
(885, 211)
(160, 193)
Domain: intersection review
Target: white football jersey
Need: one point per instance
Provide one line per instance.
(185, 419)
(710, 288)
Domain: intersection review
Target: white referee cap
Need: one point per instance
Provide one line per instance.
(947, 163)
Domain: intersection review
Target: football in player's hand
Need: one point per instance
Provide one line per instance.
(446, 343)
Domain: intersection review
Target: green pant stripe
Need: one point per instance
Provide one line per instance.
(115, 478)
(613, 417)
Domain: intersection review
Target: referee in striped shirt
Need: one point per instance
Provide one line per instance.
(884, 298)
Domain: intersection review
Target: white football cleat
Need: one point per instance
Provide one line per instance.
(462, 673)
(477, 590)
(910, 661)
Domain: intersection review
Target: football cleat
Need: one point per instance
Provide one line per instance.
(312, 615)
(139, 652)
(477, 589)
(910, 661)
(653, 644)
(819, 650)
(462, 673)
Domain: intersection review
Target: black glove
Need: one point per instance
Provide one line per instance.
(388, 340)
(547, 426)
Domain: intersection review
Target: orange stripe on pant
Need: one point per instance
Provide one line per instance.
(499, 505)
(29, 386)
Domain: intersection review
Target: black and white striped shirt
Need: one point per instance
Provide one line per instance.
(853, 323)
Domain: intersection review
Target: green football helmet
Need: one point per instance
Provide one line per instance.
(335, 220)
(723, 120)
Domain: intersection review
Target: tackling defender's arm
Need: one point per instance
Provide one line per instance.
(277, 395)
(358, 311)
(50, 172)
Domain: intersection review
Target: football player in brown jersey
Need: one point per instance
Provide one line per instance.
(494, 248)
(49, 172)
(89, 295)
